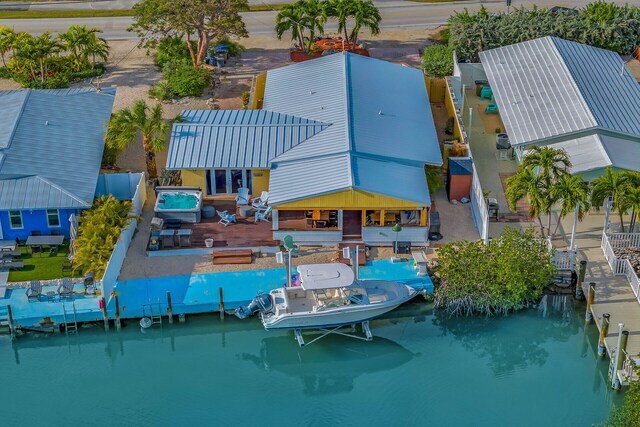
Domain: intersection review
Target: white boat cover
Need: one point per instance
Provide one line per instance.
(325, 276)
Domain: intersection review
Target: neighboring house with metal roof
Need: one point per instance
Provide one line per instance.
(340, 144)
(568, 95)
(51, 144)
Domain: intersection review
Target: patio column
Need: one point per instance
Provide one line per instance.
(340, 219)
(423, 217)
(274, 219)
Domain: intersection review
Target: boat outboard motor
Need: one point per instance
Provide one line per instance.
(262, 303)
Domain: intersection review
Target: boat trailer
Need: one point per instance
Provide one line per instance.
(326, 331)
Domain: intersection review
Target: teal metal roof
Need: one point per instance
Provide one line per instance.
(235, 138)
(51, 145)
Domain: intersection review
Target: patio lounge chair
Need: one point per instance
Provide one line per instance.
(263, 214)
(65, 290)
(261, 202)
(243, 196)
(226, 218)
(34, 291)
(13, 264)
(89, 283)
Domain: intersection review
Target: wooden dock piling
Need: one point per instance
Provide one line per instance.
(624, 338)
(221, 306)
(581, 273)
(604, 332)
(118, 324)
(590, 299)
(105, 316)
(169, 308)
(12, 327)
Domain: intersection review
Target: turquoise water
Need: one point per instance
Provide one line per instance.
(420, 369)
(178, 201)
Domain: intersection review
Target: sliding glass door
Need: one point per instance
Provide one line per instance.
(227, 181)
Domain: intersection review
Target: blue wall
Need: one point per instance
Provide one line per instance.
(34, 220)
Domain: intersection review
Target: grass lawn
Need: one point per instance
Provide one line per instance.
(40, 266)
(90, 13)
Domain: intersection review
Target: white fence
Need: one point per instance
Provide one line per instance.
(565, 259)
(479, 208)
(632, 277)
(133, 182)
(610, 242)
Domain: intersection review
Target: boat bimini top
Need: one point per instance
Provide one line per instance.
(314, 277)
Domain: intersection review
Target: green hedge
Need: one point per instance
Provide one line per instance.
(605, 25)
(186, 80)
(437, 61)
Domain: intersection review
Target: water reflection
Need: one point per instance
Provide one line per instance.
(331, 366)
(509, 345)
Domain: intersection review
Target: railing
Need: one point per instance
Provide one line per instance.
(615, 241)
(565, 259)
(632, 277)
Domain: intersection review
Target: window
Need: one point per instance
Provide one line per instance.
(53, 218)
(15, 219)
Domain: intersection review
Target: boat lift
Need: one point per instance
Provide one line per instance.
(326, 331)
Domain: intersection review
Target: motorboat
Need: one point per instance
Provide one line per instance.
(328, 296)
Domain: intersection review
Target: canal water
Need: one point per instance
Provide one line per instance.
(535, 368)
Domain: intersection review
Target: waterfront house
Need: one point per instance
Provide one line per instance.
(340, 143)
(51, 144)
(567, 95)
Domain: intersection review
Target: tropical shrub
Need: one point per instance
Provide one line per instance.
(172, 49)
(600, 24)
(185, 79)
(498, 278)
(627, 414)
(161, 91)
(98, 232)
(437, 61)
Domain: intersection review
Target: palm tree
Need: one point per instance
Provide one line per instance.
(573, 193)
(7, 41)
(341, 10)
(549, 164)
(126, 125)
(631, 197)
(291, 18)
(526, 184)
(610, 185)
(82, 42)
(366, 15)
(37, 50)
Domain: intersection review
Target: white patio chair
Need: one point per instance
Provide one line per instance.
(261, 202)
(225, 218)
(263, 214)
(243, 196)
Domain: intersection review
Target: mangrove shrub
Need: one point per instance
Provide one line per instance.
(504, 276)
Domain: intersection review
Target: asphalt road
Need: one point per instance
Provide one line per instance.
(395, 15)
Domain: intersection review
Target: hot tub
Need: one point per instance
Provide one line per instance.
(183, 205)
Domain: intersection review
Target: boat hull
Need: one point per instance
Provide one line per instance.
(347, 315)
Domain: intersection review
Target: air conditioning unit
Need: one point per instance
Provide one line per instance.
(502, 141)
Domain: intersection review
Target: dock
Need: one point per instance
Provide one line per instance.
(190, 294)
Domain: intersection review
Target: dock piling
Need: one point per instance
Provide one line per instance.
(618, 361)
(12, 328)
(624, 338)
(604, 332)
(169, 308)
(221, 306)
(105, 317)
(118, 324)
(581, 273)
(590, 299)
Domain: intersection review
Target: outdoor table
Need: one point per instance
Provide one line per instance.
(184, 235)
(45, 240)
(244, 211)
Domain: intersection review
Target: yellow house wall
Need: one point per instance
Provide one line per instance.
(194, 178)
(260, 181)
(436, 89)
(258, 91)
(350, 199)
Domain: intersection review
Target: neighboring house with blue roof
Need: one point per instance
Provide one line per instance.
(567, 95)
(51, 144)
(340, 143)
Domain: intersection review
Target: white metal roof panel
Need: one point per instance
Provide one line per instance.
(235, 139)
(315, 277)
(585, 154)
(12, 103)
(623, 153)
(35, 192)
(59, 138)
(535, 92)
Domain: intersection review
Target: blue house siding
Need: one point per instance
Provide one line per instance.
(35, 220)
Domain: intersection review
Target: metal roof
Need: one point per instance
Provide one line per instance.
(235, 139)
(53, 148)
(460, 166)
(598, 151)
(549, 87)
(382, 130)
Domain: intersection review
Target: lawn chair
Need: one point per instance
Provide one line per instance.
(261, 202)
(89, 283)
(36, 250)
(243, 196)
(65, 290)
(288, 244)
(486, 92)
(226, 218)
(34, 292)
(492, 107)
(263, 214)
(67, 267)
(12, 265)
